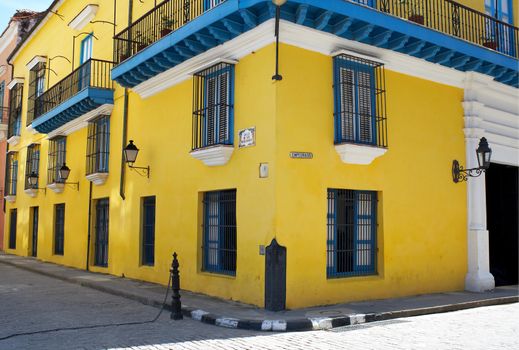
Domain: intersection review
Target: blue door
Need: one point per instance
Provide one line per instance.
(85, 56)
(503, 36)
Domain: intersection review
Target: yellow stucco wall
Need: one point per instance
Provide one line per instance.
(422, 213)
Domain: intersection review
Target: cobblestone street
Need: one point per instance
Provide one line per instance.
(38, 312)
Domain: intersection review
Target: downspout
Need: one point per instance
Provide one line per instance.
(89, 226)
(8, 130)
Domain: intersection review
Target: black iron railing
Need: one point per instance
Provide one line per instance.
(92, 73)
(166, 17)
(455, 19)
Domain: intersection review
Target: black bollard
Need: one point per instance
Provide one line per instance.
(176, 305)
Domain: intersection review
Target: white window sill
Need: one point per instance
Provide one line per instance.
(214, 155)
(97, 178)
(56, 187)
(13, 140)
(3, 132)
(359, 154)
(31, 192)
(10, 198)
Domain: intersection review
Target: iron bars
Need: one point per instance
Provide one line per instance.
(163, 19)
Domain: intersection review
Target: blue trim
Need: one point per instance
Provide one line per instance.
(81, 103)
(87, 40)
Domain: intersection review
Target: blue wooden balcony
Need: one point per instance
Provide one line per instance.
(85, 89)
(440, 31)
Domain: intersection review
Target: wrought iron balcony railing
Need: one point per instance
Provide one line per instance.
(163, 19)
(455, 19)
(91, 74)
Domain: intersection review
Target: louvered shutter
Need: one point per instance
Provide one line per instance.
(223, 108)
(347, 109)
(365, 110)
(211, 112)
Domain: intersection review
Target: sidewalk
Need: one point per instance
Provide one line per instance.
(237, 315)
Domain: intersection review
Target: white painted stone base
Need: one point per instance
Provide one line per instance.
(97, 178)
(214, 156)
(479, 278)
(56, 187)
(359, 154)
(10, 198)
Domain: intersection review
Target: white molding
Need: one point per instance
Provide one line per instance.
(81, 121)
(10, 198)
(84, 17)
(31, 192)
(13, 140)
(13, 83)
(205, 65)
(37, 59)
(359, 154)
(56, 187)
(3, 132)
(356, 54)
(478, 279)
(214, 156)
(30, 129)
(9, 35)
(97, 178)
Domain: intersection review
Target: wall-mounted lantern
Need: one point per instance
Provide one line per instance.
(130, 155)
(33, 181)
(483, 154)
(64, 172)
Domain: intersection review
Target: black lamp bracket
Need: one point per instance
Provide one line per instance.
(72, 183)
(142, 171)
(44, 189)
(459, 174)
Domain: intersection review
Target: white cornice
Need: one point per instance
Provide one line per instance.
(81, 122)
(9, 35)
(84, 17)
(210, 64)
(14, 82)
(35, 61)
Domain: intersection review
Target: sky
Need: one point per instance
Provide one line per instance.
(8, 7)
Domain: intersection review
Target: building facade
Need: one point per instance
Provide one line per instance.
(326, 181)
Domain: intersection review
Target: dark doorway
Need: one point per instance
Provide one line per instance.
(502, 221)
(275, 277)
(101, 232)
(34, 233)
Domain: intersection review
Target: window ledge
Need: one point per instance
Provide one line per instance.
(13, 140)
(214, 155)
(31, 192)
(359, 154)
(3, 132)
(97, 178)
(56, 187)
(10, 198)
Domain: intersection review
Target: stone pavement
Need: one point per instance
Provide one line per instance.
(237, 315)
(43, 313)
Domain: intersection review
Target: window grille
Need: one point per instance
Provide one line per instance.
(32, 164)
(36, 89)
(59, 228)
(360, 101)
(101, 232)
(219, 228)
(57, 157)
(213, 106)
(351, 243)
(12, 228)
(15, 110)
(98, 145)
(148, 230)
(12, 173)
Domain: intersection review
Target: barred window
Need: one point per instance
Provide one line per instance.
(12, 173)
(57, 157)
(12, 228)
(148, 230)
(219, 247)
(351, 244)
(213, 106)
(98, 145)
(36, 89)
(32, 164)
(360, 113)
(15, 110)
(59, 228)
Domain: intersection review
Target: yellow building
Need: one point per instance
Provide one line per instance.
(344, 156)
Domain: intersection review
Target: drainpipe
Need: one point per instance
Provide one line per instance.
(89, 226)
(7, 144)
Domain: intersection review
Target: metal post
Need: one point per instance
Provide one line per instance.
(277, 76)
(176, 305)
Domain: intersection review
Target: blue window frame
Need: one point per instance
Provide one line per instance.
(359, 97)
(57, 157)
(148, 231)
(209, 4)
(12, 228)
(502, 36)
(98, 145)
(32, 164)
(59, 229)
(15, 110)
(352, 230)
(101, 232)
(86, 49)
(11, 179)
(213, 115)
(219, 246)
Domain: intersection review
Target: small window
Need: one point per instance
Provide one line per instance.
(98, 145)
(57, 157)
(59, 229)
(148, 231)
(12, 228)
(213, 106)
(12, 173)
(359, 101)
(351, 244)
(15, 110)
(219, 232)
(32, 164)
(36, 89)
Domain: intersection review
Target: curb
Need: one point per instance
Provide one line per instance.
(292, 325)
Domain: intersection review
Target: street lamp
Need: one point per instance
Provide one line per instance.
(130, 155)
(278, 4)
(32, 179)
(483, 153)
(64, 172)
